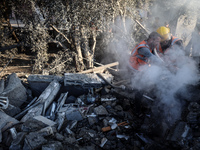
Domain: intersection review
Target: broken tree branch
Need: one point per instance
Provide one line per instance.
(9, 25)
(61, 33)
(9, 47)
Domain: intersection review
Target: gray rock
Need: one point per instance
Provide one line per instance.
(92, 120)
(34, 141)
(100, 110)
(73, 114)
(53, 145)
(18, 142)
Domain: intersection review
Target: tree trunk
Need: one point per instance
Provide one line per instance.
(86, 49)
(94, 37)
(79, 57)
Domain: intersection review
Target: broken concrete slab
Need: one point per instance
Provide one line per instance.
(86, 80)
(45, 100)
(34, 141)
(6, 120)
(15, 91)
(35, 111)
(32, 125)
(38, 83)
(5, 123)
(45, 120)
(12, 110)
(78, 84)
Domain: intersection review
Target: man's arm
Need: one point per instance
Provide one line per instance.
(148, 55)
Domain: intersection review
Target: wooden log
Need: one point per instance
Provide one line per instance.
(100, 69)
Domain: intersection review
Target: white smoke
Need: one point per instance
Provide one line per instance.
(166, 80)
(121, 42)
(169, 11)
(178, 70)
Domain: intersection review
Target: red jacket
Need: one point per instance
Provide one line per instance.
(135, 60)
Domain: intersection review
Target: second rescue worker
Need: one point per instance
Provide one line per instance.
(168, 41)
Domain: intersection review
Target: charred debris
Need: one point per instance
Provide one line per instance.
(91, 111)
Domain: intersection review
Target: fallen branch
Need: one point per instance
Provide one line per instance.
(101, 68)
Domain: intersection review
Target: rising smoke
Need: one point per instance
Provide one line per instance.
(168, 79)
(176, 73)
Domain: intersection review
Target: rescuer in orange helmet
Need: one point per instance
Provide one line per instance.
(143, 53)
(168, 41)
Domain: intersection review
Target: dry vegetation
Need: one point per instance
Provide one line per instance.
(79, 31)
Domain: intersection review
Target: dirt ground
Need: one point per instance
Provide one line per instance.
(21, 64)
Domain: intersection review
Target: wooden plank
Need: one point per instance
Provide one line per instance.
(101, 68)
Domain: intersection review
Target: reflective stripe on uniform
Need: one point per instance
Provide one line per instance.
(174, 40)
(141, 45)
(130, 67)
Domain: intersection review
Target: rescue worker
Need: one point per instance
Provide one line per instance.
(168, 40)
(143, 53)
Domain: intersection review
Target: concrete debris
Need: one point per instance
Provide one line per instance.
(38, 83)
(34, 141)
(45, 100)
(73, 114)
(15, 91)
(82, 111)
(2, 84)
(12, 110)
(85, 80)
(100, 110)
(6, 121)
(53, 145)
(45, 120)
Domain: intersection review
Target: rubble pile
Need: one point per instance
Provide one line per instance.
(83, 111)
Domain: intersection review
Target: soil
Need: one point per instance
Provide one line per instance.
(21, 64)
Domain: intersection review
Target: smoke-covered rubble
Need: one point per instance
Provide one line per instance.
(79, 111)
